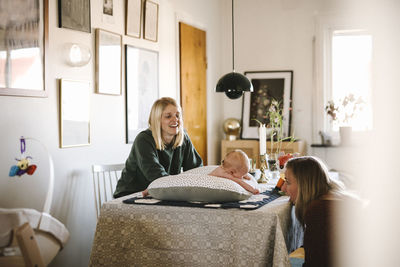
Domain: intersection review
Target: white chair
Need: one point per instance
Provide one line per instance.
(29, 237)
(105, 178)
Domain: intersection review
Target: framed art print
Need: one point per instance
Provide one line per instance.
(268, 86)
(133, 17)
(23, 46)
(141, 88)
(150, 21)
(74, 15)
(108, 7)
(74, 113)
(108, 62)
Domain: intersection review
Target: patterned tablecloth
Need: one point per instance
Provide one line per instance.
(141, 235)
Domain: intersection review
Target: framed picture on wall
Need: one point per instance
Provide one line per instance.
(150, 31)
(23, 46)
(74, 15)
(108, 7)
(133, 17)
(108, 62)
(74, 113)
(141, 88)
(268, 85)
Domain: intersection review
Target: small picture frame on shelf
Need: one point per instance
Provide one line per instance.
(133, 18)
(268, 85)
(150, 30)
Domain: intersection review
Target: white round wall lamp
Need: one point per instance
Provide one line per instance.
(77, 55)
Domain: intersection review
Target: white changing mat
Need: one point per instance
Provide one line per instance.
(11, 218)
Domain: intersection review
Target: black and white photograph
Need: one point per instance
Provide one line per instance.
(74, 15)
(108, 7)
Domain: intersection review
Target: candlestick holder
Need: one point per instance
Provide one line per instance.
(263, 167)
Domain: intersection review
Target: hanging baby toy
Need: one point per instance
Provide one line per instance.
(22, 166)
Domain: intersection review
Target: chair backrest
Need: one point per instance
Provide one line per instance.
(105, 178)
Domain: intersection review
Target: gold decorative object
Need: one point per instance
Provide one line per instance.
(263, 167)
(232, 128)
(253, 163)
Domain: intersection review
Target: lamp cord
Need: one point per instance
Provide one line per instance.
(233, 40)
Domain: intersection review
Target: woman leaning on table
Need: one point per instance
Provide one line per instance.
(319, 203)
(161, 150)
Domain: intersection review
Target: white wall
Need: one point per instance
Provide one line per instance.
(275, 35)
(38, 118)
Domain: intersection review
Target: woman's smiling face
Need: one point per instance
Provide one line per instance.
(290, 186)
(171, 120)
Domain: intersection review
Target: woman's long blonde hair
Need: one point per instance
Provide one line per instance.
(313, 182)
(155, 122)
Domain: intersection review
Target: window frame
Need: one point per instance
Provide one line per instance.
(325, 26)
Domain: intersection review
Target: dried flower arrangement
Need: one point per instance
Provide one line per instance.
(346, 110)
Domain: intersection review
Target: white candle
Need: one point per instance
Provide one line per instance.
(263, 139)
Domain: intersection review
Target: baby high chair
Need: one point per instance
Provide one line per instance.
(29, 237)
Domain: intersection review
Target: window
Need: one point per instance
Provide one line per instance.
(342, 67)
(351, 75)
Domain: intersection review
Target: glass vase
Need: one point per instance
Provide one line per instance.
(273, 166)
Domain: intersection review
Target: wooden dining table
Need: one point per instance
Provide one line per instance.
(151, 235)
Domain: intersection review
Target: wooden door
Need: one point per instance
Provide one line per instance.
(193, 65)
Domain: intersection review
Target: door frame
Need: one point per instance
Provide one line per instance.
(187, 19)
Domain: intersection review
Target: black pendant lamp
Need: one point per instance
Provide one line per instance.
(233, 84)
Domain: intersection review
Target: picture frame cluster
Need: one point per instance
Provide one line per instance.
(141, 21)
(75, 15)
(134, 19)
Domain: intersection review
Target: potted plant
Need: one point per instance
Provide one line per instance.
(275, 116)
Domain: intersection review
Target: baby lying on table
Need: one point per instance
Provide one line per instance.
(235, 167)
